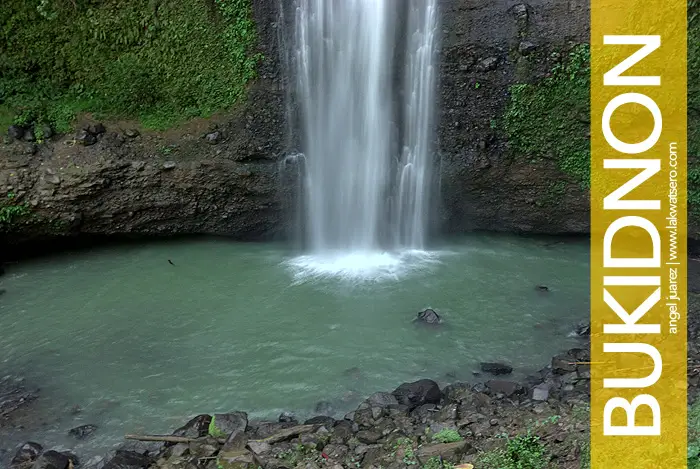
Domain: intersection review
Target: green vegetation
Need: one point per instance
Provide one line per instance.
(437, 463)
(551, 118)
(524, 451)
(11, 213)
(300, 454)
(409, 453)
(447, 436)
(521, 452)
(214, 430)
(161, 61)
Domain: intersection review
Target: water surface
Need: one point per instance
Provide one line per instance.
(141, 345)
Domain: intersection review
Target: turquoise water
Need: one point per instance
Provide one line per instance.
(141, 345)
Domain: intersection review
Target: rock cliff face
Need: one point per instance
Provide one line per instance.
(486, 184)
(222, 175)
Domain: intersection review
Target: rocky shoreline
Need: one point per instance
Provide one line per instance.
(488, 424)
(416, 424)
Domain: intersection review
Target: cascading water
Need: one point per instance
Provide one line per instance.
(365, 81)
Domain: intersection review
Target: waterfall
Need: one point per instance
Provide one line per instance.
(364, 83)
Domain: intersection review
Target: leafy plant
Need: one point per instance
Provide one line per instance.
(11, 213)
(521, 452)
(214, 431)
(447, 436)
(437, 463)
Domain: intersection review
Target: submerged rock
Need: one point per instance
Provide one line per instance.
(324, 408)
(83, 431)
(429, 316)
(287, 417)
(496, 368)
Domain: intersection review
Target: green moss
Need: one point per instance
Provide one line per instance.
(550, 119)
(11, 213)
(161, 61)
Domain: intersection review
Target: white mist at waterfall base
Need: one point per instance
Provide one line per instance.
(363, 266)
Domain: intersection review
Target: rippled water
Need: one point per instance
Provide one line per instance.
(141, 345)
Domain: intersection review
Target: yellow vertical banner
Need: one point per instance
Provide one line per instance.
(638, 234)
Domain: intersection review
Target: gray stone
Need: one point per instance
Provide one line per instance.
(52, 460)
(562, 364)
(527, 47)
(507, 388)
(382, 399)
(540, 392)
(85, 138)
(169, 165)
(259, 447)
(131, 133)
(520, 12)
(231, 423)
(487, 64)
(213, 138)
(27, 453)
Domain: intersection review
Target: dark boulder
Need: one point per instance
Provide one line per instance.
(228, 424)
(197, 427)
(16, 132)
(324, 420)
(429, 316)
(507, 388)
(128, 460)
(97, 129)
(52, 460)
(458, 392)
(496, 368)
(85, 138)
(563, 364)
(412, 395)
(82, 431)
(27, 453)
(29, 135)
